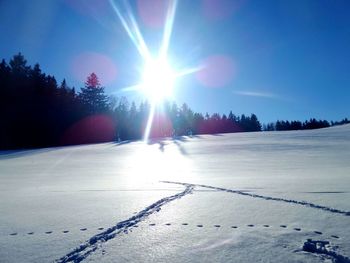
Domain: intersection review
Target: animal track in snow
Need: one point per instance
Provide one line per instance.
(268, 198)
(85, 249)
(324, 248)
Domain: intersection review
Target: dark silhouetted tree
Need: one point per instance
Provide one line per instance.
(37, 112)
(93, 96)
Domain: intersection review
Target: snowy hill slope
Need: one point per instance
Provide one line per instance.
(238, 197)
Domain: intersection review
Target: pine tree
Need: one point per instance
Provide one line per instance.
(18, 65)
(255, 124)
(4, 78)
(93, 95)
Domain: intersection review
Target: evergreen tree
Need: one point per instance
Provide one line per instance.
(255, 124)
(121, 114)
(93, 96)
(63, 87)
(18, 65)
(36, 112)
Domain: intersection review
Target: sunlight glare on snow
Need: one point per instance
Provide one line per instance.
(156, 162)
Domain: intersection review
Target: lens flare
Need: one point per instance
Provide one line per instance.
(85, 63)
(158, 76)
(217, 71)
(153, 13)
(220, 9)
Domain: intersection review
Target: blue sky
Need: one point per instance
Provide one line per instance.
(286, 59)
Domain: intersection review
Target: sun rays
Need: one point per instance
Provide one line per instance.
(158, 75)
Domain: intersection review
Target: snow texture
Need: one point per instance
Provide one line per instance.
(329, 209)
(245, 197)
(85, 249)
(323, 248)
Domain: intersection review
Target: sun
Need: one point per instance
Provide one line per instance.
(158, 80)
(157, 77)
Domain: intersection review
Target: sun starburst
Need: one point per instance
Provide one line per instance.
(158, 75)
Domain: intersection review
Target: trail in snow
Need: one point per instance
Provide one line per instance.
(324, 248)
(85, 249)
(290, 201)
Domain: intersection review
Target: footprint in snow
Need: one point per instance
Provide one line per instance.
(318, 232)
(233, 226)
(13, 234)
(30, 233)
(284, 226)
(266, 226)
(168, 224)
(297, 229)
(251, 225)
(152, 224)
(184, 224)
(199, 225)
(100, 228)
(65, 231)
(83, 229)
(334, 236)
(48, 232)
(217, 226)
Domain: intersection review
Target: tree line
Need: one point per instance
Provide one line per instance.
(282, 125)
(36, 111)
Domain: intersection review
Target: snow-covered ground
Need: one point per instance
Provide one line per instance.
(242, 197)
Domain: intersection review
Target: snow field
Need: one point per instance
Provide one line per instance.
(242, 197)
